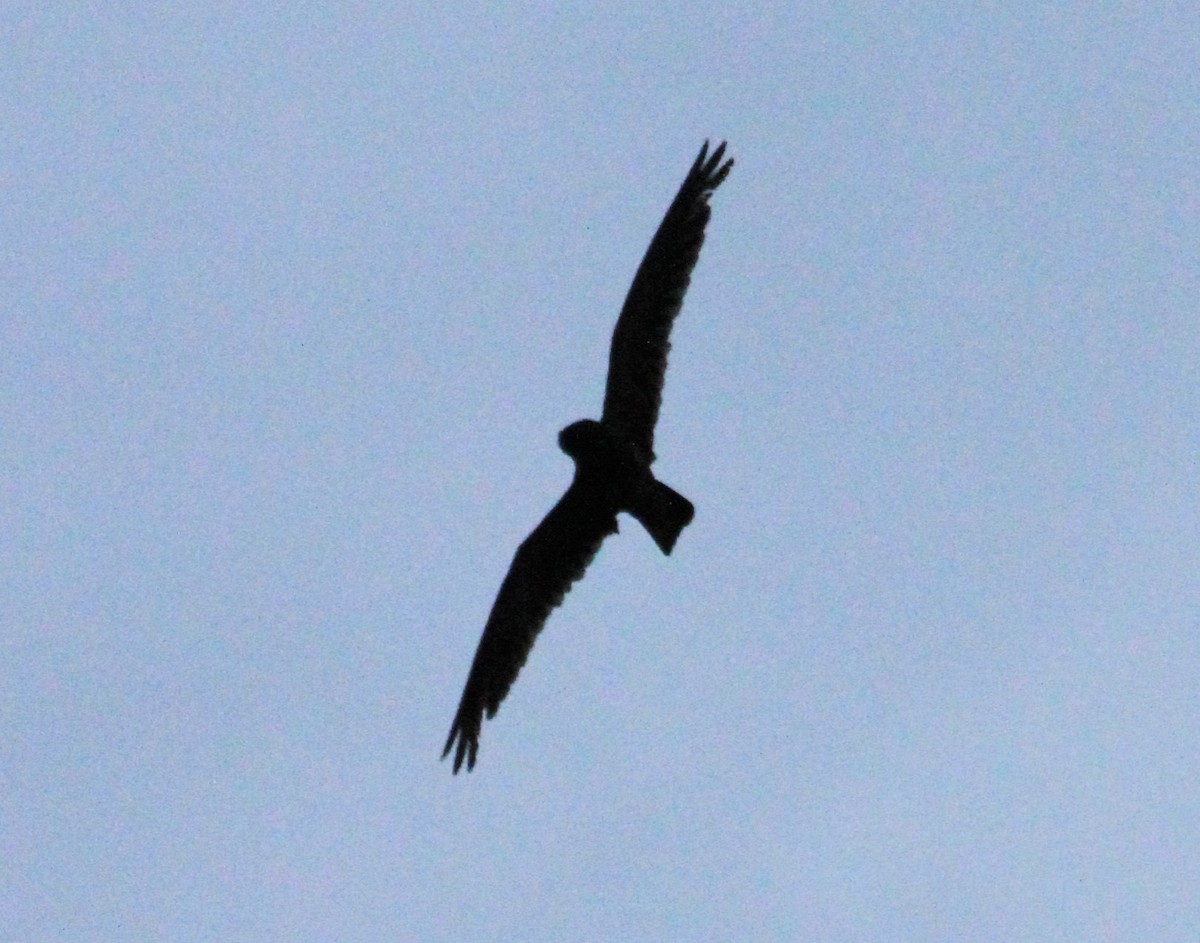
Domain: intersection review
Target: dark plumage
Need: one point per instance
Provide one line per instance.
(612, 463)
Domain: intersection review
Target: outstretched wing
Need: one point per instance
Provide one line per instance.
(638, 357)
(553, 557)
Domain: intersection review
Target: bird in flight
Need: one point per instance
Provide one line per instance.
(612, 463)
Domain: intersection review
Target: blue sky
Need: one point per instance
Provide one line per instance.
(295, 303)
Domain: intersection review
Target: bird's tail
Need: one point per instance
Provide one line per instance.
(664, 513)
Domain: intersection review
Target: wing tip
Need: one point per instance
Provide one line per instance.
(468, 745)
(709, 168)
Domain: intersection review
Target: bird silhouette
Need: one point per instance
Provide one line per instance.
(612, 463)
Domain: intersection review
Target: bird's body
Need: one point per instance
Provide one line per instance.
(617, 473)
(612, 463)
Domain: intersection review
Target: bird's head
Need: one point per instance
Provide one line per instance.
(580, 438)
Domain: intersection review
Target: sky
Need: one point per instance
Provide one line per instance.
(295, 301)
